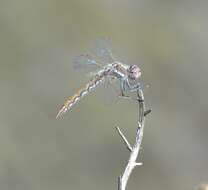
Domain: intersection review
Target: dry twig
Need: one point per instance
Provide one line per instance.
(134, 151)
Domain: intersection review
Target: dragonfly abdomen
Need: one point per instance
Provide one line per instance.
(97, 80)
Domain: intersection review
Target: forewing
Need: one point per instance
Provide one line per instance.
(102, 50)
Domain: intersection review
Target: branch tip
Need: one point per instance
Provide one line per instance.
(139, 164)
(128, 146)
(147, 112)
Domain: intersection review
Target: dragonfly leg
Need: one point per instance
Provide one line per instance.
(127, 97)
(122, 91)
(124, 96)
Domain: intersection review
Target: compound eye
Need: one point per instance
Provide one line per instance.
(134, 72)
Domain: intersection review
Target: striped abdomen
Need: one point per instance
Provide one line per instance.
(98, 79)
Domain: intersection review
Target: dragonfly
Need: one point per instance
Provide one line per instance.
(105, 67)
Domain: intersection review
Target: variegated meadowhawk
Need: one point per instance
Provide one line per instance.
(106, 67)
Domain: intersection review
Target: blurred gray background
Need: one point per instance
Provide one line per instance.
(38, 41)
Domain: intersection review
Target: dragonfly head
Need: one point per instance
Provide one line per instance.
(134, 72)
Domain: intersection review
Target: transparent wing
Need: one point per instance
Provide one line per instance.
(110, 91)
(86, 63)
(102, 50)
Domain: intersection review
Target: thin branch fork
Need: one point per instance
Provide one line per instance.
(128, 146)
(134, 150)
